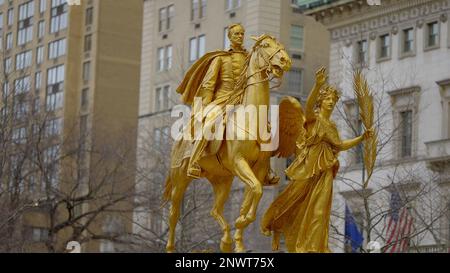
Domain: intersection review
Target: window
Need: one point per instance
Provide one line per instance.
(58, 20)
(23, 60)
(36, 105)
(8, 65)
(361, 52)
(40, 55)
(25, 30)
(168, 57)
(161, 59)
(6, 90)
(86, 71)
(161, 136)
(83, 126)
(38, 81)
(19, 135)
(171, 13)
(433, 34)
(85, 97)
(297, 33)
(162, 98)
(89, 16)
(9, 41)
(41, 29)
(232, 4)
(51, 158)
(196, 47)
(39, 234)
(195, 9)
(165, 136)
(87, 43)
(56, 49)
(198, 9)
(408, 40)
(10, 17)
(164, 58)
(42, 6)
(385, 46)
(53, 127)
(1, 21)
(22, 85)
(162, 18)
(226, 41)
(55, 87)
(166, 15)
(20, 108)
(406, 133)
(295, 80)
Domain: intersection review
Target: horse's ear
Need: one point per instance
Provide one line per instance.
(254, 38)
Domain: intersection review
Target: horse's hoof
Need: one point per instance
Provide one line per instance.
(170, 249)
(226, 247)
(239, 248)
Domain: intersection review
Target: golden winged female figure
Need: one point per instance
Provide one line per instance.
(302, 211)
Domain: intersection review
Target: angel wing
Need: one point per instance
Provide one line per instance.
(292, 130)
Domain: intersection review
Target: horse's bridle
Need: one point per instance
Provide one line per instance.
(268, 65)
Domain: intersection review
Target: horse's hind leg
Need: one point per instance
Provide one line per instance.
(221, 187)
(179, 187)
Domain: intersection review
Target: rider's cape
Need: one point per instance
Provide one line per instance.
(191, 83)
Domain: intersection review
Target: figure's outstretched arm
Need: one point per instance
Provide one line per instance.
(321, 78)
(348, 144)
(209, 82)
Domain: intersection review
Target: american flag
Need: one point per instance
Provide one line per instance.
(399, 225)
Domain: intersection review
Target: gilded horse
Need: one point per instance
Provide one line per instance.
(241, 158)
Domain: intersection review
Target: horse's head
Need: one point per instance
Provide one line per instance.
(273, 54)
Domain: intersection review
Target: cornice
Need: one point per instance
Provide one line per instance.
(356, 17)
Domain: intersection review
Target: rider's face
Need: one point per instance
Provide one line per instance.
(236, 36)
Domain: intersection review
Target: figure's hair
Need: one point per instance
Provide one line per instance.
(325, 92)
(230, 27)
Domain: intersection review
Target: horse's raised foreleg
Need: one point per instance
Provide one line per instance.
(221, 187)
(260, 169)
(245, 173)
(179, 187)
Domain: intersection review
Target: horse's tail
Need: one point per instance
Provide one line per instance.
(167, 191)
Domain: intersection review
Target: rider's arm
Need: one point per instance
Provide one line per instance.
(209, 82)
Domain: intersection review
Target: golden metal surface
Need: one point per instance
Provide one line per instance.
(226, 78)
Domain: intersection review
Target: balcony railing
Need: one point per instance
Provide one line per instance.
(438, 153)
(429, 249)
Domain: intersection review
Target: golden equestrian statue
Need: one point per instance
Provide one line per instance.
(302, 211)
(224, 78)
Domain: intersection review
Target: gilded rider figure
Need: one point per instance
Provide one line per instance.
(218, 85)
(213, 78)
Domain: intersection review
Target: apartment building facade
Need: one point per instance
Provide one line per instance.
(76, 66)
(403, 48)
(175, 34)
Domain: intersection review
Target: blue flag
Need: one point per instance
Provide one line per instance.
(353, 236)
